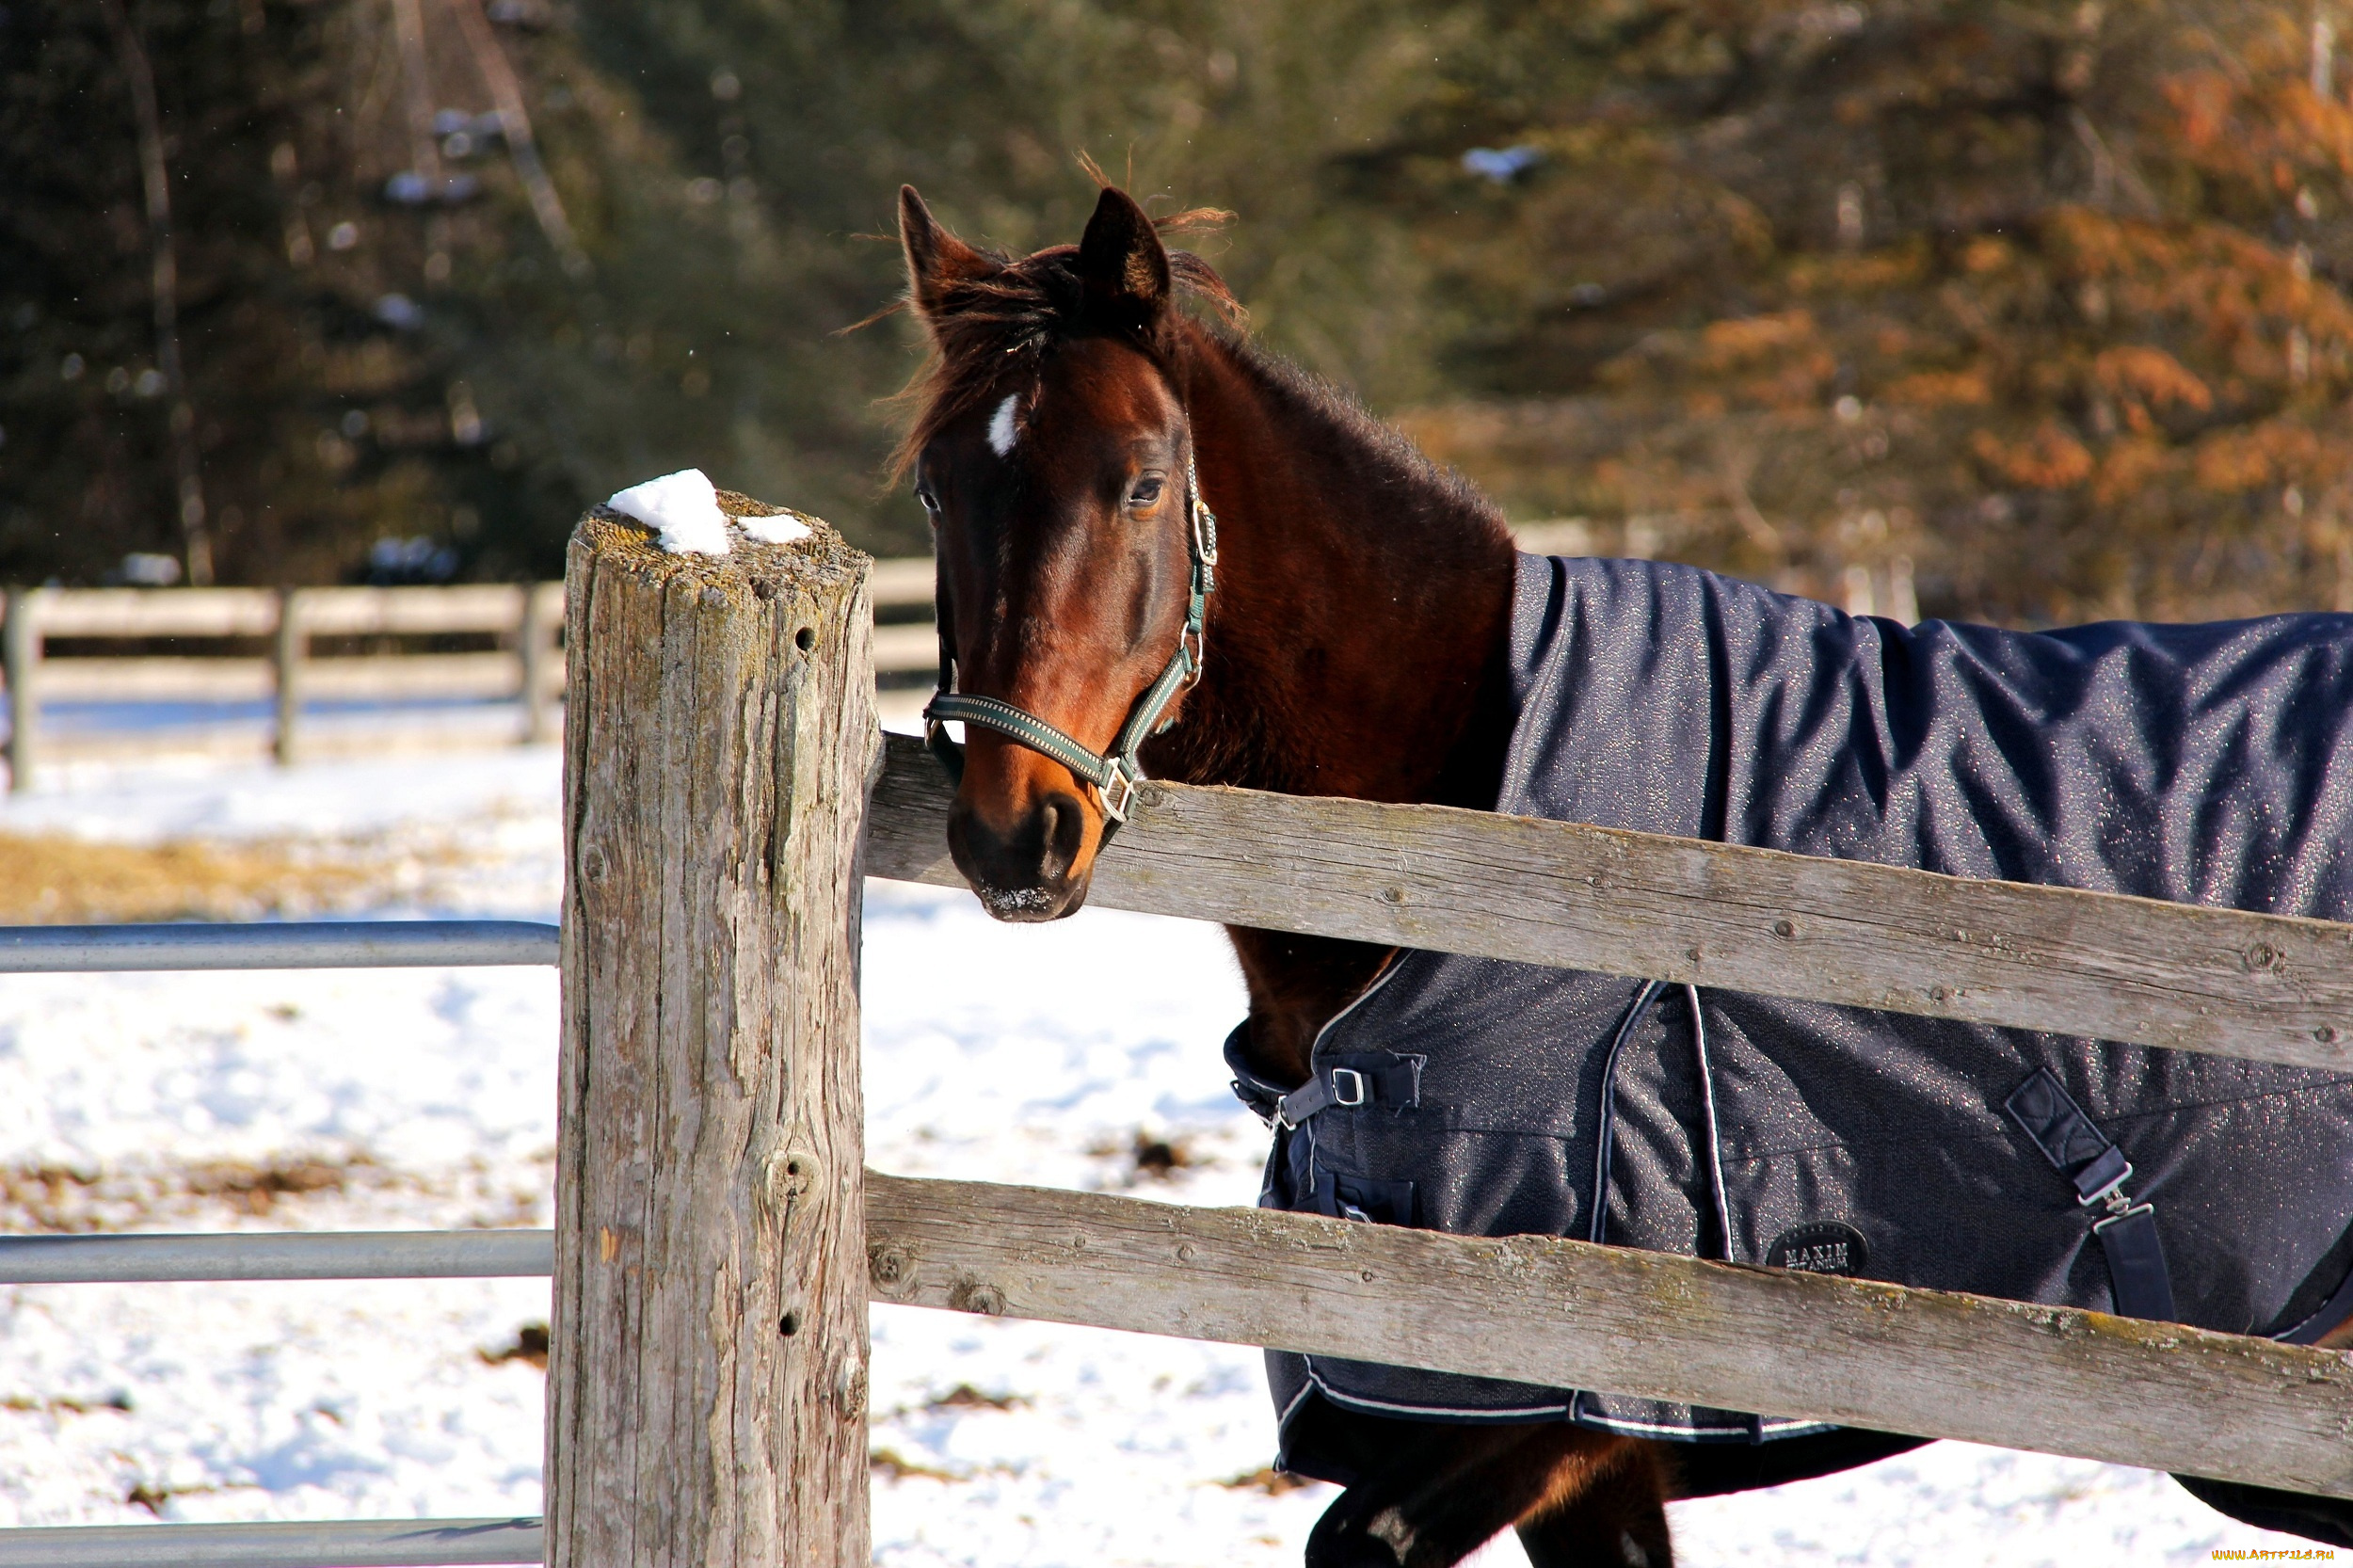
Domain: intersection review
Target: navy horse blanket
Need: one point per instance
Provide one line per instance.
(2204, 764)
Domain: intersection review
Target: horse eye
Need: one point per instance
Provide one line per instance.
(930, 502)
(1146, 493)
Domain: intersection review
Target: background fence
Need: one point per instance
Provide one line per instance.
(717, 1238)
(94, 624)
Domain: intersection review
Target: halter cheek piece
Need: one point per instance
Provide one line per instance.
(1115, 772)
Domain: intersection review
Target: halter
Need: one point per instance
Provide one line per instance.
(1116, 771)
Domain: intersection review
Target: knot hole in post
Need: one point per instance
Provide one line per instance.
(791, 1176)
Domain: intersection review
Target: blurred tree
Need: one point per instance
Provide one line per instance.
(2048, 298)
(400, 317)
(2039, 306)
(824, 108)
(437, 276)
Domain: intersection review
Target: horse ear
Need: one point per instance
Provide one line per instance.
(937, 260)
(1121, 259)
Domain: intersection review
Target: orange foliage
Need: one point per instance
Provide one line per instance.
(1942, 388)
(2127, 468)
(2149, 376)
(2047, 459)
(2270, 454)
(1986, 254)
(2069, 350)
(2202, 101)
(1727, 345)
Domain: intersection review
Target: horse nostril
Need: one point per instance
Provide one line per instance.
(1021, 871)
(1062, 823)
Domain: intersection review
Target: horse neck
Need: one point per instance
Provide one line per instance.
(1357, 637)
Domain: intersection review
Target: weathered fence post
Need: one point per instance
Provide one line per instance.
(288, 648)
(20, 651)
(707, 1391)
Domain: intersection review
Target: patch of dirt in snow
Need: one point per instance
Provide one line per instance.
(55, 879)
(65, 879)
(965, 1397)
(890, 1464)
(296, 1192)
(1149, 1156)
(1269, 1480)
(456, 834)
(530, 1347)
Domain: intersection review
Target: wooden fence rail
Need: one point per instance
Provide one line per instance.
(1573, 1315)
(2267, 987)
(709, 1369)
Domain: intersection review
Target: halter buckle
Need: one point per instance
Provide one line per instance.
(1115, 807)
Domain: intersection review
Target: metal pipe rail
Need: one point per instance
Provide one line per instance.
(338, 1544)
(276, 1254)
(285, 944)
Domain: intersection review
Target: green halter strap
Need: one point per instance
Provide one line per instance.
(1115, 772)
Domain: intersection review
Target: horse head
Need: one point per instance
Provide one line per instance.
(1053, 455)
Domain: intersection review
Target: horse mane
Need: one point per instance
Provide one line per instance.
(1374, 447)
(1006, 318)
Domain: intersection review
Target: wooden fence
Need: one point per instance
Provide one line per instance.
(717, 1237)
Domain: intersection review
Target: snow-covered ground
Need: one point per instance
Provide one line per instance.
(426, 1098)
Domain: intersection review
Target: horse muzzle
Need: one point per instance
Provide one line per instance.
(1035, 865)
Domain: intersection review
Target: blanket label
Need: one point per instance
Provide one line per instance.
(1824, 1247)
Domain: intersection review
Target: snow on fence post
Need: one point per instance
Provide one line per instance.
(707, 1387)
(20, 652)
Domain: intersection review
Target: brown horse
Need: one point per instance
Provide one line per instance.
(1076, 421)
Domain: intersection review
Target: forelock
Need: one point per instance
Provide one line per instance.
(999, 326)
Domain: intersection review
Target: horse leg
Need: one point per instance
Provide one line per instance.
(1441, 1491)
(1619, 1517)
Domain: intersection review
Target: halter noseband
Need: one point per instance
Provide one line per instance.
(1116, 771)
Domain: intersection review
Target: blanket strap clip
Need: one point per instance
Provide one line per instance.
(2138, 1280)
(1389, 1079)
